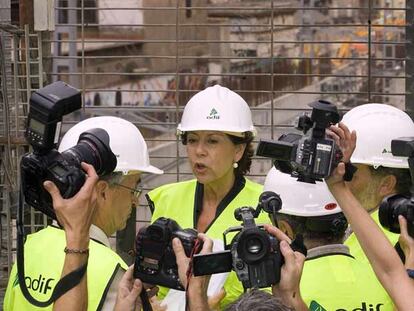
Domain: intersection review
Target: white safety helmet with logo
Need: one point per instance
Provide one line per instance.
(376, 125)
(125, 140)
(300, 198)
(217, 109)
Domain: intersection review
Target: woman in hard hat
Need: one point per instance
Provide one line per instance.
(217, 131)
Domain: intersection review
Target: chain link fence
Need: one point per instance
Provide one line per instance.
(142, 60)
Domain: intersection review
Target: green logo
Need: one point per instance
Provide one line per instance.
(214, 115)
(385, 151)
(314, 306)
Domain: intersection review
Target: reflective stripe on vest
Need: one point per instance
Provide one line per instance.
(341, 283)
(44, 258)
(176, 201)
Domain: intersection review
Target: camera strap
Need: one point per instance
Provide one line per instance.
(65, 284)
(195, 250)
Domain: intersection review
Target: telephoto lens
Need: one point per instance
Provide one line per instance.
(393, 206)
(93, 148)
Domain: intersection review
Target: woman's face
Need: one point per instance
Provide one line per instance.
(212, 155)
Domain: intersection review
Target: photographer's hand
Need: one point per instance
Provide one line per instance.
(197, 288)
(406, 243)
(381, 254)
(75, 215)
(129, 290)
(288, 288)
(344, 138)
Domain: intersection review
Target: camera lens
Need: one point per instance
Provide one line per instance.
(252, 245)
(93, 148)
(391, 207)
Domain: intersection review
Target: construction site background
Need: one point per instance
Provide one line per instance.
(143, 59)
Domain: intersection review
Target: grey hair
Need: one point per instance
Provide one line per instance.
(256, 299)
(113, 178)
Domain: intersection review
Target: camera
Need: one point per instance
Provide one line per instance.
(253, 253)
(155, 260)
(308, 157)
(47, 107)
(400, 204)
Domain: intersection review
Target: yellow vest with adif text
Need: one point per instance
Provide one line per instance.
(44, 259)
(176, 201)
(339, 282)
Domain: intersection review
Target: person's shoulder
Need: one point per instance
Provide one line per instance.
(172, 187)
(49, 231)
(253, 186)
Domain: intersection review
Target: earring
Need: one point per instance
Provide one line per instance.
(235, 165)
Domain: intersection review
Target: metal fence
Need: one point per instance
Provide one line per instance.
(143, 59)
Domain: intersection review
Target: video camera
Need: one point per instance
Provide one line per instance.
(307, 157)
(400, 204)
(253, 253)
(155, 262)
(47, 106)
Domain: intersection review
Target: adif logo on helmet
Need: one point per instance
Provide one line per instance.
(214, 115)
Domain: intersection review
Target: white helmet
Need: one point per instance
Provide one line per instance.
(217, 109)
(376, 125)
(125, 140)
(300, 198)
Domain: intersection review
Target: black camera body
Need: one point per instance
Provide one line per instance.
(155, 260)
(308, 157)
(47, 107)
(400, 204)
(253, 253)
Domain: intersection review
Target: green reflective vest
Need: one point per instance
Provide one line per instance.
(338, 282)
(356, 249)
(176, 201)
(44, 258)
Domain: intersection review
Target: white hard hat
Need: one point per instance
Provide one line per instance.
(125, 140)
(300, 198)
(376, 125)
(216, 109)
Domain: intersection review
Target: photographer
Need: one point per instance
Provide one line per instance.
(378, 173)
(332, 278)
(115, 194)
(383, 258)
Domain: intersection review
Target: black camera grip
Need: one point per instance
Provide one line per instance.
(297, 245)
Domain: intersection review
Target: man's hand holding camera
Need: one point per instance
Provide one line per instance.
(197, 287)
(288, 287)
(75, 214)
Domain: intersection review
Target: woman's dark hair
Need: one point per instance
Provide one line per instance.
(246, 160)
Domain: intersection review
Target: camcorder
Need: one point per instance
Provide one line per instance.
(309, 157)
(155, 260)
(400, 204)
(253, 253)
(47, 107)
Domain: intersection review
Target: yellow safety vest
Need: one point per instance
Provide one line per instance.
(356, 249)
(338, 282)
(44, 258)
(176, 201)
